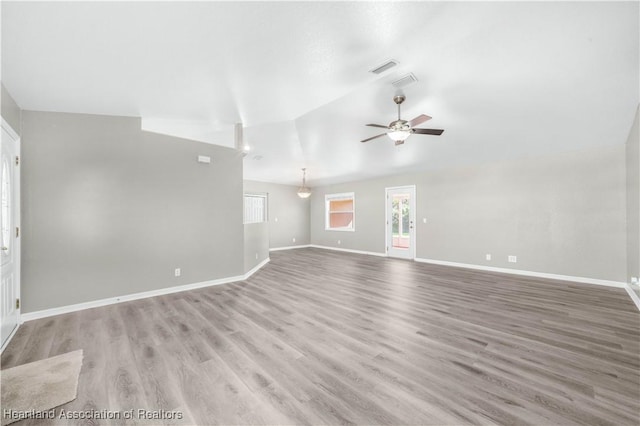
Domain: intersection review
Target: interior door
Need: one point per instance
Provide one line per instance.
(400, 222)
(9, 222)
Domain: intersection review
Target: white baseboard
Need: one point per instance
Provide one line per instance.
(525, 273)
(256, 268)
(13, 333)
(633, 295)
(30, 316)
(289, 247)
(370, 253)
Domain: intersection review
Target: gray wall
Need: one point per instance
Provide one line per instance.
(288, 213)
(111, 210)
(256, 244)
(10, 110)
(633, 202)
(563, 214)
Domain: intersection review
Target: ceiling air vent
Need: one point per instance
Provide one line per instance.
(405, 81)
(384, 67)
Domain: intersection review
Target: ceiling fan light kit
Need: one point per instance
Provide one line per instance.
(399, 135)
(399, 130)
(304, 191)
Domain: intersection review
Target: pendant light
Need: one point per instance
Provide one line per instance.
(303, 191)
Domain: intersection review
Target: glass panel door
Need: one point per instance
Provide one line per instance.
(400, 222)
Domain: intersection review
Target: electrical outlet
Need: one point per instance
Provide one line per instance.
(276, 219)
(256, 256)
(424, 220)
(294, 239)
(178, 272)
(634, 280)
(339, 242)
(487, 256)
(513, 259)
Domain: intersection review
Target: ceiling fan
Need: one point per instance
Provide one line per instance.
(399, 130)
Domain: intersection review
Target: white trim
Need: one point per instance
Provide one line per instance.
(400, 187)
(289, 247)
(526, 273)
(633, 295)
(9, 129)
(370, 253)
(413, 211)
(13, 333)
(340, 196)
(29, 316)
(256, 268)
(18, 223)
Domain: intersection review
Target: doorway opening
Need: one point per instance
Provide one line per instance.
(9, 234)
(400, 221)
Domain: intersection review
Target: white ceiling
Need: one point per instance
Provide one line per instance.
(504, 80)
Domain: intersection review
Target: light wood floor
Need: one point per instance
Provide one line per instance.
(321, 337)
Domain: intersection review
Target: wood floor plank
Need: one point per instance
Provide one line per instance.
(11, 356)
(321, 337)
(66, 337)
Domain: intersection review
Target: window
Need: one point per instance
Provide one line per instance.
(340, 212)
(255, 208)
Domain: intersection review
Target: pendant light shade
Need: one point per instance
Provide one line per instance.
(303, 191)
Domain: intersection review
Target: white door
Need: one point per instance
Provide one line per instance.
(9, 223)
(401, 219)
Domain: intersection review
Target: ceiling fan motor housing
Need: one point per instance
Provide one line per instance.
(398, 99)
(399, 125)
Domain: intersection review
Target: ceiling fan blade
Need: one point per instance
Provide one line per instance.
(419, 120)
(375, 137)
(437, 132)
(377, 125)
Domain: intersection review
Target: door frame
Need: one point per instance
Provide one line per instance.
(413, 206)
(18, 262)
